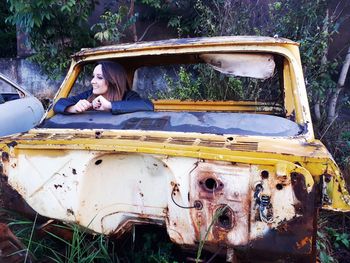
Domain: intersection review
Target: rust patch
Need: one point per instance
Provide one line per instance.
(302, 243)
(129, 137)
(154, 139)
(211, 143)
(299, 186)
(12, 200)
(243, 146)
(179, 140)
(12, 249)
(284, 180)
(293, 240)
(222, 188)
(5, 157)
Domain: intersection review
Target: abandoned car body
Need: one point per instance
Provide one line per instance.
(249, 174)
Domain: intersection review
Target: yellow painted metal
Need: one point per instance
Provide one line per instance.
(209, 153)
(66, 86)
(288, 90)
(83, 139)
(339, 195)
(288, 49)
(232, 106)
(158, 46)
(312, 157)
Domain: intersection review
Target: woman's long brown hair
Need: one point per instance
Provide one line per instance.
(116, 78)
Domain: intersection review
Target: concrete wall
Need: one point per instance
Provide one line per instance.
(29, 76)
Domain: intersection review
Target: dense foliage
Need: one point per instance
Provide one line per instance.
(56, 29)
(7, 34)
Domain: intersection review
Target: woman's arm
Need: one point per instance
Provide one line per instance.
(131, 102)
(63, 104)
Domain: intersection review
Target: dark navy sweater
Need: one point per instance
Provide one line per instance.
(131, 102)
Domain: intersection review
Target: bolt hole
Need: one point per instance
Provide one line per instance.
(98, 162)
(264, 174)
(198, 205)
(210, 184)
(279, 186)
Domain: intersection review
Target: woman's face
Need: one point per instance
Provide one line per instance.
(98, 82)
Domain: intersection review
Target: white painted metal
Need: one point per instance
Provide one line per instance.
(108, 192)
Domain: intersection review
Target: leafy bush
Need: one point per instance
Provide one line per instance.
(113, 25)
(186, 87)
(56, 30)
(7, 33)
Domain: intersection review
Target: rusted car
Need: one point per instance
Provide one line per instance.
(17, 103)
(228, 155)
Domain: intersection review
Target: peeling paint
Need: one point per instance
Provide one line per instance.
(252, 196)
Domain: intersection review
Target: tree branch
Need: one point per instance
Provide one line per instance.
(339, 88)
(146, 30)
(131, 14)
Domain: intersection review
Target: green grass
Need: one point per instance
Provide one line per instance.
(150, 245)
(85, 247)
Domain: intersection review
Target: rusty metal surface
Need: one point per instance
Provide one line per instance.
(287, 233)
(109, 193)
(290, 149)
(12, 249)
(11, 200)
(223, 106)
(198, 185)
(292, 240)
(185, 42)
(254, 197)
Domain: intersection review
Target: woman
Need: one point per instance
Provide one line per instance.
(110, 92)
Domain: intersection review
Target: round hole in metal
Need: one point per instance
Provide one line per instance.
(226, 218)
(264, 174)
(279, 186)
(210, 184)
(98, 162)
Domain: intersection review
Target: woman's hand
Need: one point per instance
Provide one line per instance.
(102, 104)
(80, 106)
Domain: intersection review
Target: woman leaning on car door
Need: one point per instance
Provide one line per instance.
(110, 92)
